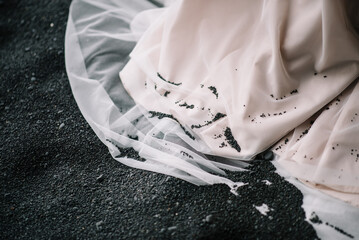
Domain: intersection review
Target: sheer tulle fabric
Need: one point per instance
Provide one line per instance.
(100, 36)
(225, 78)
(259, 70)
(230, 79)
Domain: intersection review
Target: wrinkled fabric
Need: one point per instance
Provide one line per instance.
(204, 86)
(270, 70)
(100, 35)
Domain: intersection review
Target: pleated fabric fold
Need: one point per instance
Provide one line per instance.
(247, 75)
(99, 38)
(200, 87)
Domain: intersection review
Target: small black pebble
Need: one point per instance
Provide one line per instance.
(268, 155)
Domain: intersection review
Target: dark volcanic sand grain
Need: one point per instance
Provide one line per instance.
(231, 140)
(160, 115)
(58, 181)
(127, 152)
(163, 79)
(216, 118)
(214, 90)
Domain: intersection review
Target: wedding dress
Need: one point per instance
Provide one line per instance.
(164, 88)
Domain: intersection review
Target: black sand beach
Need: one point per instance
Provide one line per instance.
(58, 181)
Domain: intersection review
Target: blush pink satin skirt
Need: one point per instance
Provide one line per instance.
(246, 76)
(227, 78)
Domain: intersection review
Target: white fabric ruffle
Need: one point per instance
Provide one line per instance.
(224, 78)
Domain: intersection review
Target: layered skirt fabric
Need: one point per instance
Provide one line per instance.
(247, 75)
(167, 88)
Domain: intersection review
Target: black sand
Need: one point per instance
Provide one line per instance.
(58, 180)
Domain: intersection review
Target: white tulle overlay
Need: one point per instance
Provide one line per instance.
(279, 78)
(225, 78)
(99, 40)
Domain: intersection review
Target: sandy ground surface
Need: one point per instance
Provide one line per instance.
(58, 181)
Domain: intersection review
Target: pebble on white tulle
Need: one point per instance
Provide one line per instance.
(263, 209)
